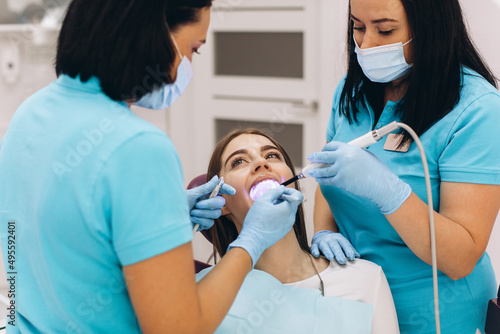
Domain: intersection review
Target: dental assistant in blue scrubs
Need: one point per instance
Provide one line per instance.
(96, 226)
(413, 62)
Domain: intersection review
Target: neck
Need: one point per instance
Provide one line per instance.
(395, 91)
(287, 262)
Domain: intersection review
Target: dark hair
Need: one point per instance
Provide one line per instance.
(440, 46)
(126, 44)
(224, 231)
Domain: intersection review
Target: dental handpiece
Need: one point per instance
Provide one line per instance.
(212, 195)
(362, 142)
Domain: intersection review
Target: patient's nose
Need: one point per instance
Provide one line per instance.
(261, 164)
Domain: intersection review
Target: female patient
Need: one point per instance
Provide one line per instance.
(246, 158)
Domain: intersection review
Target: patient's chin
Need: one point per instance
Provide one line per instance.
(225, 211)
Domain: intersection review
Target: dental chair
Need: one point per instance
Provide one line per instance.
(493, 316)
(198, 181)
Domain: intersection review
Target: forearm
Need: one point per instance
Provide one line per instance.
(457, 250)
(218, 289)
(323, 217)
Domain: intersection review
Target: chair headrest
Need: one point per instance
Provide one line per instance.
(197, 181)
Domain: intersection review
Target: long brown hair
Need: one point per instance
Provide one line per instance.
(224, 231)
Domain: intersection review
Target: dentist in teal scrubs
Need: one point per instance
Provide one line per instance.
(413, 62)
(96, 226)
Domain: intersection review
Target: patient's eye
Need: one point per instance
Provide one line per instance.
(236, 161)
(273, 155)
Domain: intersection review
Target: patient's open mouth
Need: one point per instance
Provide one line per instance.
(260, 188)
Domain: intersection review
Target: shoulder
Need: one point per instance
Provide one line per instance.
(472, 79)
(338, 91)
(125, 136)
(357, 280)
(334, 120)
(475, 88)
(477, 111)
(133, 152)
(359, 267)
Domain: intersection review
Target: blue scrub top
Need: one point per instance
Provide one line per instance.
(91, 188)
(461, 147)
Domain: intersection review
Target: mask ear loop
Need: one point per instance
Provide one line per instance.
(176, 46)
(355, 43)
(411, 39)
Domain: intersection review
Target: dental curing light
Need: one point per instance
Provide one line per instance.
(362, 142)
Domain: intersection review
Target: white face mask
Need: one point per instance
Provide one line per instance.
(383, 63)
(166, 96)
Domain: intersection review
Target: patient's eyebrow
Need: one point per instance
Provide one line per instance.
(268, 147)
(241, 151)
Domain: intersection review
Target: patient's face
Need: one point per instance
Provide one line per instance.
(246, 161)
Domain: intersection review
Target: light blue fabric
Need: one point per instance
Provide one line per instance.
(91, 188)
(462, 147)
(265, 306)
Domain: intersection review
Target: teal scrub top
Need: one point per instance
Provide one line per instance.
(88, 188)
(461, 147)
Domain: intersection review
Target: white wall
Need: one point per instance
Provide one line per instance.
(32, 62)
(494, 248)
(482, 17)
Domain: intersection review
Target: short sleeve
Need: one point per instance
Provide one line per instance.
(472, 154)
(145, 203)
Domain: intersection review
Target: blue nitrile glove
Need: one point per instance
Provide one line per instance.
(204, 210)
(333, 246)
(269, 219)
(361, 173)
